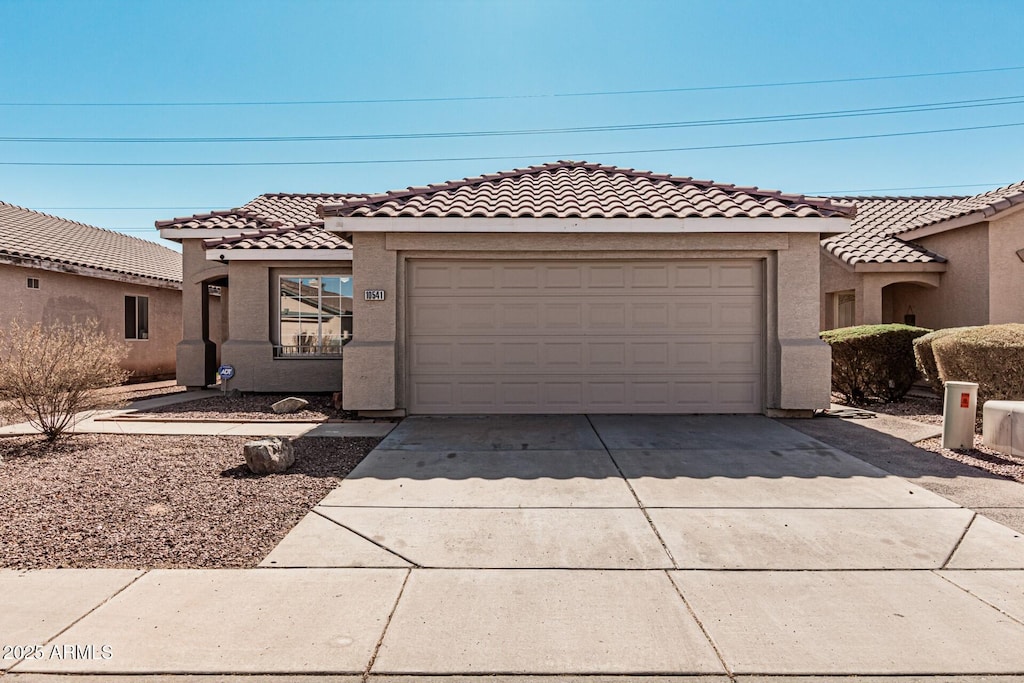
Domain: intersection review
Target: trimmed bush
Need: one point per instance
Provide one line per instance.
(873, 361)
(925, 356)
(991, 355)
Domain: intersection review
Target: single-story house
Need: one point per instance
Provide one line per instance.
(54, 270)
(567, 287)
(932, 261)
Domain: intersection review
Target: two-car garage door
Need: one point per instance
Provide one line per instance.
(682, 336)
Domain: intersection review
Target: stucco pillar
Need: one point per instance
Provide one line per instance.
(369, 378)
(195, 354)
(804, 361)
(224, 336)
(248, 347)
(868, 306)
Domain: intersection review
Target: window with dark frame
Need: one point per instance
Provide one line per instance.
(136, 317)
(33, 283)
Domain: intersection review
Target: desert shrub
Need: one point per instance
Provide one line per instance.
(50, 374)
(873, 361)
(925, 356)
(991, 355)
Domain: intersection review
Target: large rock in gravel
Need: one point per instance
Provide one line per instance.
(289, 405)
(269, 456)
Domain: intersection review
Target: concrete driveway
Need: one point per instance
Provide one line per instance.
(714, 547)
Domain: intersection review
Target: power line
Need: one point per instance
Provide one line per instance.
(469, 98)
(202, 207)
(362, 162)
(903, 189)
(774, 118)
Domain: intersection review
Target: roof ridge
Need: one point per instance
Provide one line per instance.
(413, 191)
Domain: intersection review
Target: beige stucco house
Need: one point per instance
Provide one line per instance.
(934, 261)
(54, 270)
(564, 288)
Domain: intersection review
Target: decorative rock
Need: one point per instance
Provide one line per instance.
(289, 405)
(269, 456)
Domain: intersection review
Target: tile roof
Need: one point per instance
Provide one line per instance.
(32, 234)
(986, 204)
(286, 237)
(871, 238)
(268, 222)
(577, 189)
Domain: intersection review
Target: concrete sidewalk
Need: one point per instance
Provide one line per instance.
(128, 421)
(604, 548)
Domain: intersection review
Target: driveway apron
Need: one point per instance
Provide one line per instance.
(705, 546)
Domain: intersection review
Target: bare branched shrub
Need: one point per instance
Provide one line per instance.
(51, 374)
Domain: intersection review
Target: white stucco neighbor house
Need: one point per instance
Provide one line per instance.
(569, 287)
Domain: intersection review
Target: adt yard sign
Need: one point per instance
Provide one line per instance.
(374, 295)
(226, 372)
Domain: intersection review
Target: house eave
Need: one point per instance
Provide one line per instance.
(179, 234)
(789, 224)
(278, 254)
(85, 271)
(916, 267)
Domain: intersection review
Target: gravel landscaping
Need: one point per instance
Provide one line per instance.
(250, 408)
(98, 500)
(929, 410)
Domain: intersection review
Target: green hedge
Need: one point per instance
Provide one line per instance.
(991, 355)
(873, 362)
(925, 356)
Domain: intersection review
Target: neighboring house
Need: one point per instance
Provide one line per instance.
(563, 288)
(54, 270)
(933, 261)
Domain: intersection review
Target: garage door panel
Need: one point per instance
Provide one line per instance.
(668, 337)
(719, 354)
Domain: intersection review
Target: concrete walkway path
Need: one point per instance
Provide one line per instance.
(597, 549)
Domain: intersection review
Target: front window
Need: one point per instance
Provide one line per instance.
(136, 317)
(315, 314)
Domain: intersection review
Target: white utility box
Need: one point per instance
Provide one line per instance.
(1003, 426)
(959, 413)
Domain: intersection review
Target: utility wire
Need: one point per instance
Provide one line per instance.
(773, 118)
(510, 157)
(470, 98)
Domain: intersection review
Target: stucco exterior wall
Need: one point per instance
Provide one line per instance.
(253, 332)
(834, 278)
(1006, 238)
(62, 297)
(797, 362)
(963, 295)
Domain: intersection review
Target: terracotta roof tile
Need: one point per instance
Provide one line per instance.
(871, 238)
(986, 204)
(270, 221)
(577, 189)
(32, 234)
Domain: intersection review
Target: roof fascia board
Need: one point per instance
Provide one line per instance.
(902, 267)
(178, 234)
(278, 254)
(85, 271)
(586, 225)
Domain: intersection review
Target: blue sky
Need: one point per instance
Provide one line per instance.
(526, 62)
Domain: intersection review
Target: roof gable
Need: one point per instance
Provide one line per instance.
(30, 234)
(985, 205)
(577, 189)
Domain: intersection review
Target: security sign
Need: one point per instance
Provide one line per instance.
(226, 372)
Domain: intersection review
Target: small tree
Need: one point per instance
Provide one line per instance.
(51, 374)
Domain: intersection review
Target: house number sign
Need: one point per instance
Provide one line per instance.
(374, 294)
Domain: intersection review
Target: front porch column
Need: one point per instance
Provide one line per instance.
(869, 300)
(195, 354)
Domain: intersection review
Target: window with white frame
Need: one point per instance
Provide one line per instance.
(315, 314)
(136, 317)
(33, 283)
